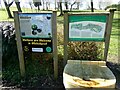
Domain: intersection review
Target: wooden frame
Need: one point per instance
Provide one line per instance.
(19, 42)
(106, 35)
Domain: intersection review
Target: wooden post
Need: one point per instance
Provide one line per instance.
(65, 37)
(1, 58)
(108, 32)
(119, 38)
(19, 44)
(54, 34)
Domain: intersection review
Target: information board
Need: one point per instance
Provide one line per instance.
(35, 25)
(37, 45)
(36, 32)
(87, 27)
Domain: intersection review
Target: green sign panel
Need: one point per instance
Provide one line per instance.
(87, 27)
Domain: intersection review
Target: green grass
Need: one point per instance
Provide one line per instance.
(4, 15)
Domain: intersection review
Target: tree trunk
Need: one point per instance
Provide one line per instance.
(66, 5)
(72, 5)
(92, 9)
(61, 11)
(18, 6)
(8, 9)
(46, 5)
(55, 5)
(58, 3)
(43, 5)
(38, 8)
(78, 4)
(30, 5)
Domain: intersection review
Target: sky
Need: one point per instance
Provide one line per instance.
(24, 3)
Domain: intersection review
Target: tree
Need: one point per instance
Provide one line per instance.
(88, 5)
(7, 5)
(104, 3)
(66, 4)
(17, 2)
(92, 9)
(30, 3)
(43, 4)
(61, 10)
(55, 4)
(48, 4)
(119, 2)
(78, 4)
(73, 4)
(116, 6)
(37, 3)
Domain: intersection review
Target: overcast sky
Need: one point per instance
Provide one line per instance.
(24, 3)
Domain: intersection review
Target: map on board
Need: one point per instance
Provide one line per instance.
(35, 25)
(86, 27)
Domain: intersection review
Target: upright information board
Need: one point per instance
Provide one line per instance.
(36, 32)
(87, 27)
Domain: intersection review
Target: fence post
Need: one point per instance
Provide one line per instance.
(108, 32)
(65, 37)
(54, 32)
(19, 44)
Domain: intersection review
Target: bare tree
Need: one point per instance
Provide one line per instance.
(37, 3)
(7, 5)
(60, 7)
(55, 4)
(66, 4)
(61, 10)
(104, 3)
(43, 4)
(30, 3)
(17, 2)
(47, 4)
(88, 5)
(73, 4)
(78, 4)
(92, 9)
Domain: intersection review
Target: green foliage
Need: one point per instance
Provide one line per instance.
(117, 6)
(85, 51)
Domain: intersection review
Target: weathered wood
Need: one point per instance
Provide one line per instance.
(108, 33)
(100, 63)
(95, 74)
(65, 37)
(90, 13)
(54, 34)
(19, 44)
(98, 73)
